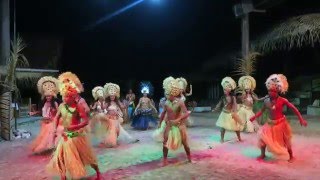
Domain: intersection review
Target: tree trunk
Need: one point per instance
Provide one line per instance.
(6, 113)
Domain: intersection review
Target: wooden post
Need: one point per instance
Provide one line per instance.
(4, 32)
(6, 114)
(245, 35)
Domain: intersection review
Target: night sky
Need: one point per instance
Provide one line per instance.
(150, 41)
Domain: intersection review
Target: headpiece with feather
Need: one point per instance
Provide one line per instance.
(146, 88)
(245, 67)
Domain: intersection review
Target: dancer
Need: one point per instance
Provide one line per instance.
(111, 127)
(99, 107)
(145, 109)
(276, 133)
(48, 88)
(175, 132)
(130, 97)
(247, 84)
(73, 151)
(183, 86)
(228, 118)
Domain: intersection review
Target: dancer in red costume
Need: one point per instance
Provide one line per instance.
(73, 151)
(276, 133)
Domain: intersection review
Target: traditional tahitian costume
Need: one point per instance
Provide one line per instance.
(183, 86)
(247, 83)
(174, 114)
(229, 118)
(99, 107)
(48, 88)
(145, 109)
(73, 152)
(130, 97)
(276, 134)
(111, 129)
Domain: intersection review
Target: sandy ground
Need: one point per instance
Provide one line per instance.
(231, 160)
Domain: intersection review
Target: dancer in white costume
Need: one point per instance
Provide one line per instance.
(228, 118)
(99, 108)
(183, 86)
(247, 84)
(111, 128)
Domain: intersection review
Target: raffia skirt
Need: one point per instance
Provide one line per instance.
(276, 135)
(229, 121)
(72, 156)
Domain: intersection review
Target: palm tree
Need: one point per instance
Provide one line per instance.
(9, 86)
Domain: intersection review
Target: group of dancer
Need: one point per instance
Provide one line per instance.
(65, 127)
(275, 134)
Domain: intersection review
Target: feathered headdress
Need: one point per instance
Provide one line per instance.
(228, 83)
(71, 77)
(69, 84)
(98, 92)
(182, 83)
(171, 86)
(48, 86)
(112, 89)
(246, 68)
(278, 82)
(146, 87)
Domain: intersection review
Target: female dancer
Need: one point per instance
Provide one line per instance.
(99, 107)
(144, 109)
(183, 86)
(228, 118)
(111, 126)
(48, 88)
(247, 84)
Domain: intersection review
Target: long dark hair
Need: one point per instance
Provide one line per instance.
(52, 102)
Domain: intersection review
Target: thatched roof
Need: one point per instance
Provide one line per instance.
(29, 74)
(295, 32)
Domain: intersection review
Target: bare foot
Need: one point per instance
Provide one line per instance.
(261, 157)
(164, 162)
(221, 141)
(240, 140)
(291, 160)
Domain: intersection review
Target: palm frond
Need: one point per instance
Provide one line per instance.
(295, 32)
(15, 60)
(246, 66)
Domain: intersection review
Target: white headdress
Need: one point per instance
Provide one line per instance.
(98, 92)
(278, 82)
(247, 82)
(171, 86)
(182, 83)
(228, 82)
(48, 86)
(112, 89)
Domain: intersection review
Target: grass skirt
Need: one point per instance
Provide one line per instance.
(276, 135)
(72, 156)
